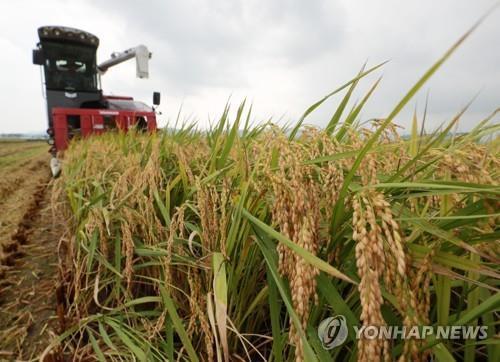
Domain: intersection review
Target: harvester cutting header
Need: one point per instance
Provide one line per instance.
(76, 105)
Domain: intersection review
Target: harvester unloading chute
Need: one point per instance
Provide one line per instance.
(141, 54)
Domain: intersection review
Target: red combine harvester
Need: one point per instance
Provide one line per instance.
(76, 106)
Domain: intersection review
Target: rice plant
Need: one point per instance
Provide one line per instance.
(235, 243)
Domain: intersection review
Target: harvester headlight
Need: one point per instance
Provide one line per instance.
(57, 32)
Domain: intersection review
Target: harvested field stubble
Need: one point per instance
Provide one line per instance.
(19, 194)
(235, 245)
(28, 240)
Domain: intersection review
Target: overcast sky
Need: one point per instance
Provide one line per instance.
(281, 55)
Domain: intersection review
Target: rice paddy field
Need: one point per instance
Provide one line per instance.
(229, 245)
(234, 243)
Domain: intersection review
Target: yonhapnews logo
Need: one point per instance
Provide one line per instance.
(333, 332)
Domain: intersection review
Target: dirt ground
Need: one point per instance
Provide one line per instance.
(28, 251)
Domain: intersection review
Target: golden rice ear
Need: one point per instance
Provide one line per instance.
(296, 192)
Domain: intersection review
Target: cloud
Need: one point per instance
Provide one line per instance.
(282, 55)
(216, 43)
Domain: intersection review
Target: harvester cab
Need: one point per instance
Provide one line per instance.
(76, 105)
